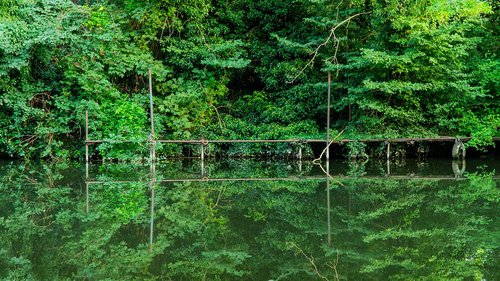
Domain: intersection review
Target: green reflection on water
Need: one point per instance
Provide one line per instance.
(371, 221)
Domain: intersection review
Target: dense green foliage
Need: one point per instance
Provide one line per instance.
(381, 228)
(239, 69)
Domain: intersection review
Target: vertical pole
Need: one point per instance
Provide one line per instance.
(151, 102)
(328, 203)
(86, 136)
(152, 172)
(87, 186)
(202, 152)
(328, 119)
(152, 147)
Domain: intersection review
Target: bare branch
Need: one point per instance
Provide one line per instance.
(311, 260)
(327, 40)
(218, 116)
(219, 197)
(328, 145)
(334, 266)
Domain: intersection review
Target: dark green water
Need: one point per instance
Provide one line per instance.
(434, 220)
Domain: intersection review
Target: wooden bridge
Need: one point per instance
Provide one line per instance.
(458, 150)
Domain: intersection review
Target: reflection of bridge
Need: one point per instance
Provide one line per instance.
(293, 178)
(458, 169)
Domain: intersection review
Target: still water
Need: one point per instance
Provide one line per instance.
(250, 220)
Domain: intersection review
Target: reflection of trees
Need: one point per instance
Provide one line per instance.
(419, 229)
(405, 229)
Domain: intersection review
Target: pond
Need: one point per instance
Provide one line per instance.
(250, 220)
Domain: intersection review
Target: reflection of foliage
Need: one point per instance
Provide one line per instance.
(124, 202)
(356, 168)
(380, 228)
(428, 227)
(356, 150)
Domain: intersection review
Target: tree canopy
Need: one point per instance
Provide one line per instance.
(244, 69)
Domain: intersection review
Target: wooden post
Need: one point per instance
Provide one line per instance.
(86, 136)
(328, 119)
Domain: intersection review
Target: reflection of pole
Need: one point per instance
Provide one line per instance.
(328, 120)
(327, 161)
(151, 222)
(328, 203)
(87, 186)
(152, 170)
(388, 158)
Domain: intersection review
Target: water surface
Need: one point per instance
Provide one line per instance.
(249, 220)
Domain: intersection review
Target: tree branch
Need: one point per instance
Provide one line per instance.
(327, 40)
(311, 260)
